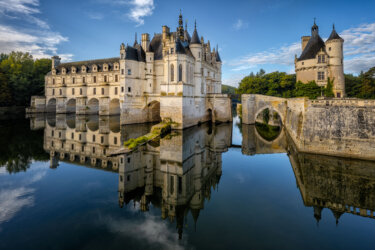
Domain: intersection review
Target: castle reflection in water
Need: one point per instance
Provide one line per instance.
(178, 172)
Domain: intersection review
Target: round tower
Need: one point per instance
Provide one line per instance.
(334, 48)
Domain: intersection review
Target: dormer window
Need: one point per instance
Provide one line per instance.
(83, 69)
(321, 58)
(63, 71)
(73, 69)
(171, 50)
(129, 72)
(105, 67)
(94, 68)
(115, 66)
(53, 72)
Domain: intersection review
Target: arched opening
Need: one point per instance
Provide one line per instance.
(180, 73)
(93, 106)
(71, 106)
(51, 105)
(93, 123)
(114, 107)
(172, 72)
(209, 115)
(153, 110)
(71, 121)
(268, 124)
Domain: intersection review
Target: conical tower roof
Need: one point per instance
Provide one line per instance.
(334, 34)
(195, 38)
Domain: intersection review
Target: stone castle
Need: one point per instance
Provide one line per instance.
(322, 60)
(174, 76)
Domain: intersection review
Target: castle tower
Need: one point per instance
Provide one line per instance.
(334, 48)
(196, 49)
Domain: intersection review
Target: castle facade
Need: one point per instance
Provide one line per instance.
(173, 76)
(322, 60)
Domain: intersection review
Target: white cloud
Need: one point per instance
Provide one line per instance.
(239, 24)
(140, 9)
(95, 15)
(233, 79)
(39, 40)
(359, 52)
(150, 229)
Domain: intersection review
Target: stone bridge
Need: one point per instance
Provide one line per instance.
(341, 127)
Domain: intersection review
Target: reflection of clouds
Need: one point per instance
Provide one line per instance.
(16, 193)
(13, 200)
(151, 230)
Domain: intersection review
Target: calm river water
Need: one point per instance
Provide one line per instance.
(208, 187)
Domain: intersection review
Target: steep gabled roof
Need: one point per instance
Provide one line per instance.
(195, 38)
(156, 46)
(314, 45)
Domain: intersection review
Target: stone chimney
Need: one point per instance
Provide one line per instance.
(55, 61)
(165, 32)
(145, 41)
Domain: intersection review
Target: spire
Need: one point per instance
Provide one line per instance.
(334, 34)
(135, 39)
(180, 29)
(195, 37)
(314, 29)
(218, 59)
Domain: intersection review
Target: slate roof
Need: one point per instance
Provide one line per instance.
(156, 46)
(313, 46)
(334, 35)
(195, 38)
(89, 63)
(218, 59)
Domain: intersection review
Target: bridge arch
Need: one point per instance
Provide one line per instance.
(71, 106)
(114, 107)
(272, 111)
(93, 106)
(51, 105)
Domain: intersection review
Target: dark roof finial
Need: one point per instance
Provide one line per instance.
(195, 24)
(135, 39)
(314, 20)
(333, 26)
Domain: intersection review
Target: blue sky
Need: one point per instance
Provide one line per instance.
(251, 34)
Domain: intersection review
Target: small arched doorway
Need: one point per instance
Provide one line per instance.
(153, 111)
(209, 115)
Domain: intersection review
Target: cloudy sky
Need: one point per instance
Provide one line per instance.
(251, 34)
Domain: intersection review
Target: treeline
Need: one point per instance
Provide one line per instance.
(231, 91)
(21, 77)
(285, 85)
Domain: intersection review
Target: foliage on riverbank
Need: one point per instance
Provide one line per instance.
(21, 77)
(284, 85)
(267, 132)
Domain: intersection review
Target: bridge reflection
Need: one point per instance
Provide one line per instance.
(340, 184)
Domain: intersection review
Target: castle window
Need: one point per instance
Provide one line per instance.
(83, 148)
(180, 73)
(129, 72)
(53, 91)
(74, 80)
(116, 91)
(171, 50)
(116, 78)
(172, 72)
(93, 138)
(63, 81)
(321, 59)
(122, 71)
(52, 133)
(53, 81)
(320, 76)
(73, 91)
(94, 91)
(102, 139)
(329, 48)
(338, 95)
(60, 91)
(129, 89)
(83, 69)
(93, 150)
(83, 79)
(72, 136)
(105, 78)
(72, 146)
(80, 137)
(115, 140)
(94, 79)
(80, 91)
(122, 89)
(102, 91)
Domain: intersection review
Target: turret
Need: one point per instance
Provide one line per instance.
(55, 61)
(122, 51)
(334, 48)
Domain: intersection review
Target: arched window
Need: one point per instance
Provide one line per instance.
(172, 72)
(180, 73)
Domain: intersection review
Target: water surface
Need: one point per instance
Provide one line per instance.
(220, 187)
